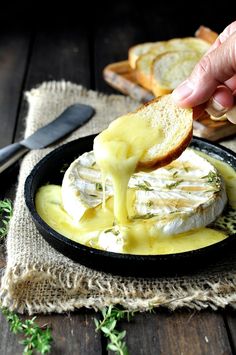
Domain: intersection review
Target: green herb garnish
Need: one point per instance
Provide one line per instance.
(145, 185)
(35, 338)
(99, 186)
(212, 178)
(149, 203)
(174, 184)
(144, 216)
(6, 211)
(186, 169)
(111, 315)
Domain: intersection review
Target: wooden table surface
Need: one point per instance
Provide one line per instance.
(73, 53)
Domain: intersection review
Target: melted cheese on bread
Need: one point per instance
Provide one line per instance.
(117, 152)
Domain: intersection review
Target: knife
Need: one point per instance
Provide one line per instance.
(73, 117)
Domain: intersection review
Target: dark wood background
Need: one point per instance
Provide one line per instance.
(53, 41)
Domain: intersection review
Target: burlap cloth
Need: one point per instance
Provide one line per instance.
(39, 279)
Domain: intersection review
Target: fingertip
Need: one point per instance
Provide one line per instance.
(181, 93)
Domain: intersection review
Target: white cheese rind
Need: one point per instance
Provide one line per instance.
(180, 196)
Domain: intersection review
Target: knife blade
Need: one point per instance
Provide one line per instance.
(72, 118)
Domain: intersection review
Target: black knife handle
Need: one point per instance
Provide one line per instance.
(10, 154)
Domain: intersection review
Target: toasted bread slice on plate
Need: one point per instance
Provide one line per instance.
(172, 68)
(136, 51)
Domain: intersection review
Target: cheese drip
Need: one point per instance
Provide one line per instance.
(118, 150)
(137, 238)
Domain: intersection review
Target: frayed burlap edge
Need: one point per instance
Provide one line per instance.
(81, 291)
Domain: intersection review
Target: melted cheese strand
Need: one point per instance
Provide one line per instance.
(117, 152)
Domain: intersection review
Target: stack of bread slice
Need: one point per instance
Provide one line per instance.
(161, 66)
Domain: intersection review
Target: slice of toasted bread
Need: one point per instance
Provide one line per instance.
(172, 68)
(143, 70)
(176, 124)
(144, 61)
(136, 51)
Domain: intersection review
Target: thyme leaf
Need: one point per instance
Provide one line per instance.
(212, 178)
(174, 184)
(99, 186)
(145, 185)
(145, 216)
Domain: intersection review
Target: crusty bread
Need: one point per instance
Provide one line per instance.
(206, 34)
(136, 51)
(176, 124)
(143, 70)
(144, 62)
(171, 68)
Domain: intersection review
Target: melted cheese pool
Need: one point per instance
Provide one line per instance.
(141, 239)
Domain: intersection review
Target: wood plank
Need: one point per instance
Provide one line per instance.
(73, 334)
(9, 343)
(121, 77)
(14, 47)
(56, 56)
(180, 332)
(111, 45)
(14, 51)
(230, 321)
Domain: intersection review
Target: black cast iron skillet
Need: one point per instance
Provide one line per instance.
(49, 169)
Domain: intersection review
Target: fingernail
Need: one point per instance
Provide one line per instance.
(215, 109)
(182, 91)
(231, 115)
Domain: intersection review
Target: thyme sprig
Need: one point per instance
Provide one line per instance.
(111, 315)
(6, 211)
(36, 339)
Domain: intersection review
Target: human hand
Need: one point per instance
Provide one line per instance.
(212, 83)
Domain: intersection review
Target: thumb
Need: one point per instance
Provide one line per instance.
(214, 68)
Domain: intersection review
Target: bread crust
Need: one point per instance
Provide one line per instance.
(131, 57)
(206, 34)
